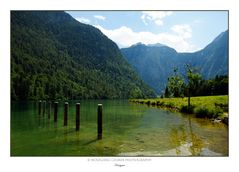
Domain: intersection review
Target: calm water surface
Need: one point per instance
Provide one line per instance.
(128, 130)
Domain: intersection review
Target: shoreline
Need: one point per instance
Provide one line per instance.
(214, 109)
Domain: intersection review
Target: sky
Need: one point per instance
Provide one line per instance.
(185, 31)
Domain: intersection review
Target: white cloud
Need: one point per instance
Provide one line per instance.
(158, 22)
(82, 20)
(143, 18)
(99, 17)
(125, 37)
(183, 30)
(155, 16)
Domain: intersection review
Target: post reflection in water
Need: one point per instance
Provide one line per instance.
(128, 130)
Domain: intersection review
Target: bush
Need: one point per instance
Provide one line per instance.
(141, 102)
(204, 112)
(153, 103)
(160, 103)
(187, 109)
(147, 102)
(169, 105)
(223, 106)
(217, 112)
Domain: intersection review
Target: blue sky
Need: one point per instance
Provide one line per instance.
(185, 31)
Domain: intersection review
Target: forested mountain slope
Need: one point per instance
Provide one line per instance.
(53, 56)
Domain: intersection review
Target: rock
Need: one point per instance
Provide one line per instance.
(217, 120)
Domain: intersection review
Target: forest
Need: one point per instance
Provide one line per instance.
(53, 56)
(194, 84)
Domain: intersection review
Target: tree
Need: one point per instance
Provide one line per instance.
(176, 85)
(194, 79)
(166, 93)
(192, 84)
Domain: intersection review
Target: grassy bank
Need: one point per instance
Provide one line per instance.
(212, 107)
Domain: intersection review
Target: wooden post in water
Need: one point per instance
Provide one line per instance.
(99, 121)
(39, 107)
(49, 110)
(77, 116)
(55, 111)
(65, 113)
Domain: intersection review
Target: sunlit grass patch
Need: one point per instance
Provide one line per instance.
(202, 107)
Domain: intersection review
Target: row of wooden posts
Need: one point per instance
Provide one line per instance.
(42, 107)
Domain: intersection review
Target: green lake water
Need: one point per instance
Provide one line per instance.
(128, 130)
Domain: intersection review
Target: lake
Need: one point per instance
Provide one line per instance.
(128, 130)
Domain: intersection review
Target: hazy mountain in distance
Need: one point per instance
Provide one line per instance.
(155, 63)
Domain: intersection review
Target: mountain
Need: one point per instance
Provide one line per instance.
(156, 45)
(53, 56)
(155, 63)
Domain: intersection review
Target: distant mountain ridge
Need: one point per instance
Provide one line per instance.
(156, 45)
(53, 56)
(155, 63)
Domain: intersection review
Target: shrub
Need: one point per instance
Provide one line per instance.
(217, 112)
(169, 105)
(153, 103)
(141, 102)
(160, 103)
(204, 112)
(187, 109)
(147, 102)
(223, 106)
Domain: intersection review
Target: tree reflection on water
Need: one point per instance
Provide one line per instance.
(179, 138)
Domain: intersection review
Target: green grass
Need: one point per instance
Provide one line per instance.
(203, 107)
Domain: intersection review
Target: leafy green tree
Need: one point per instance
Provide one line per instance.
(175, 85)
(135, 93)
(194, 79)
(195, 85)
